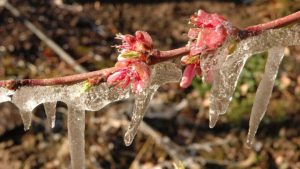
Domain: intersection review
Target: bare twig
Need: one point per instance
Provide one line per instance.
(281, 22)
(154, 57)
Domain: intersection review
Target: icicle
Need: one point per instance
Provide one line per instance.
(264, 91)
(140, 105)
(26, 118)
(76, 126)
(162, 73)
(50, 110)
(226, 73)
(22, 99)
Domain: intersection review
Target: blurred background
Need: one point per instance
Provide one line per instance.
(85, 29)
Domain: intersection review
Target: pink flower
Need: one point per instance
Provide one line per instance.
(206, 39)
(207, 20)
(210, 32)
(137, 73)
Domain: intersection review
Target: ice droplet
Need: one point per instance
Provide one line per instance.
(26, 118)
(264, 91)
(50, 110)
(76, 126)
(160, 74)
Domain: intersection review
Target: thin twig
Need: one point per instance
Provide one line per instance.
(154, 57)
(13, 84)
(281, 22)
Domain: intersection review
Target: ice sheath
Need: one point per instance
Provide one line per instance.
(27, 98)
(264, 91)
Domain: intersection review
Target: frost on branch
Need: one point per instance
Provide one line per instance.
(79, 100)
(227, 66)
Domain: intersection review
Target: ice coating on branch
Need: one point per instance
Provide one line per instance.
(264, 91)
(161, 74)
(227, 67)
(50, 110)
(5, 95)
(79, 100)
(76, 126)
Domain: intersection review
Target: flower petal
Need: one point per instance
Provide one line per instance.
(188, 75)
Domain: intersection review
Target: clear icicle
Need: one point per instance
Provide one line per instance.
(140, 105)
(162, 73)
(226, 74)
(264, 91)
(76, 126)
(26, 118)
(22, 100)
(50, 110)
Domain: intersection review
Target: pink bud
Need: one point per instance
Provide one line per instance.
(141, 76)
(142, 69)
(124, 83)
(116, 77)
(188, 75)
(144, 38)
(122, 64)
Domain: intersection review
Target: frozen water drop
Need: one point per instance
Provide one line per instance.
(140, 105)
(264, 91)
(26, 118)
(50, 109)
(76, 126)
(213, 119)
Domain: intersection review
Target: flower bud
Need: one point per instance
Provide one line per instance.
(188, 75)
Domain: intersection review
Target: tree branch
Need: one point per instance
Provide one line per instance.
(278, 23)
(154, 57)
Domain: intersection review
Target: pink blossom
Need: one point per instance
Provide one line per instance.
(208, 34)
(207, 20)
(206, 39)
(137, 73)
(117, 77)
(188, 75)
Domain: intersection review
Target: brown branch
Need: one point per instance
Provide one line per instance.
(13, 84)
(278, 23)
(157, 56)
(154, 57)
